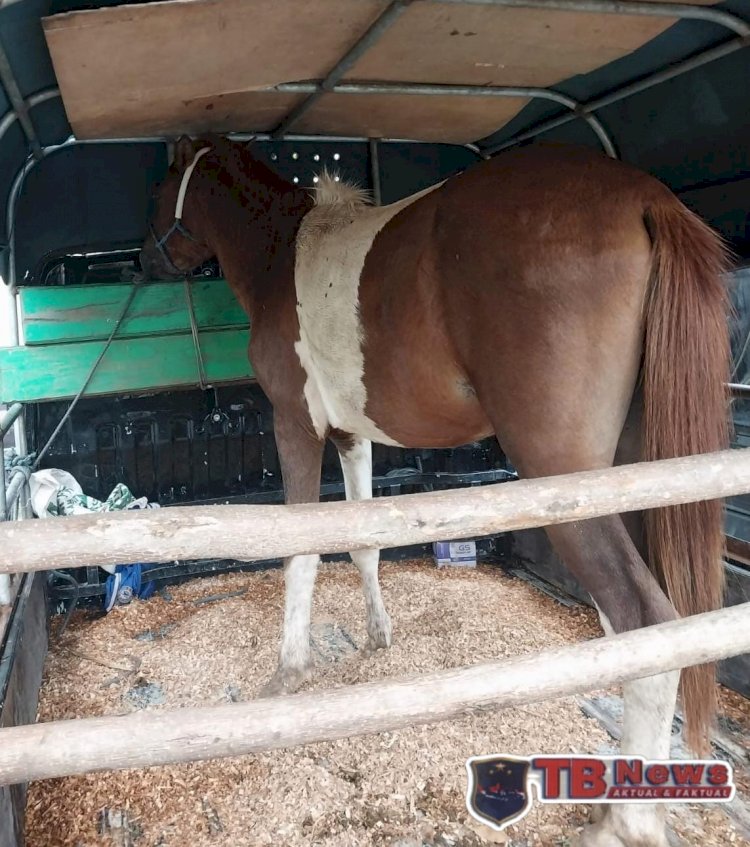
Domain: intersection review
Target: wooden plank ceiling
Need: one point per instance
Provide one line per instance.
(211, 65)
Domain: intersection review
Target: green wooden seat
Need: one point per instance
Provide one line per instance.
(66, 328)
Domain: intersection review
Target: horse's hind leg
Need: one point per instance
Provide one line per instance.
(601, 554)
(649, 704)
(356, 463)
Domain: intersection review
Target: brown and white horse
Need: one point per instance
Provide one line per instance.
(529, 297)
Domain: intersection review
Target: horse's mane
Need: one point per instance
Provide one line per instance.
(330, 190)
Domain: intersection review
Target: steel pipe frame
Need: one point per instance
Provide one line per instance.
(621, 7)
(391, 13)
(17, 485)
(20, 107)
(443, 90)
(7, 500)
(625, 91)
(17, 185)
(721, 18)
(6, 422)
(725, 19)
(680, 11)
(12, 116)
(8, 417)
(375, 171)
(12, 417)
(3, 502)
(397, 7)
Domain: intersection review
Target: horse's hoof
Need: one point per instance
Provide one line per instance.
(285, 681)
(603, 834)
(596, 835)
(374, 645)
(598, 811)
(379, 637)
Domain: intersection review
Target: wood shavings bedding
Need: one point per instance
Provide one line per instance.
(216, 639)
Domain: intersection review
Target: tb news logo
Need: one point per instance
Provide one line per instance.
(500, 787)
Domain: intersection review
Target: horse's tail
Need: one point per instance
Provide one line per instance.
(686, 367)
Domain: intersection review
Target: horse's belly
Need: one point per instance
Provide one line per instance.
(414, 413)
(401, 397)
(338, 403)
(428, 413)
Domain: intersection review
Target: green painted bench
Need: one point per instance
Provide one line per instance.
(66, 328)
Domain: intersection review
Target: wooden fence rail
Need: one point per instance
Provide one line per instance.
(144, 739)
(263, 532)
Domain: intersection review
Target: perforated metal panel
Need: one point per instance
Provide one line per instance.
(189, 446)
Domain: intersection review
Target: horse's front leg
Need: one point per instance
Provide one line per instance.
(300, 455)
(356, 463)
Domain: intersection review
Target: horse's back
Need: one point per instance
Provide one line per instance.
(523, 276)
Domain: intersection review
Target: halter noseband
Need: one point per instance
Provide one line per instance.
(161, 243)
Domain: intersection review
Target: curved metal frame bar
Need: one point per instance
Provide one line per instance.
(682, 11)
(618, 94)
(583, 110)
(9, 118)
(619, 7)
(31, 162)
(389, 15)
(18, 103)
(437, 90)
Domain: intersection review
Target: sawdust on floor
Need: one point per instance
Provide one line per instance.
(215, 640)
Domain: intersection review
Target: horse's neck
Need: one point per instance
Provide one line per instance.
(254, 242)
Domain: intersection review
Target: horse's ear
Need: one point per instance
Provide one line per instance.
(184, 151)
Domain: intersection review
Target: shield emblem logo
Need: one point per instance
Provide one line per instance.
(498, 794)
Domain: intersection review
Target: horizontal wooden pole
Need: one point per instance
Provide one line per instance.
(265, 532)
(144, 739)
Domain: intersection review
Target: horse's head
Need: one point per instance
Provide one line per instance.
(176, 243)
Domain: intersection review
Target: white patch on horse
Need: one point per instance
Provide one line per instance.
(332, 245)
